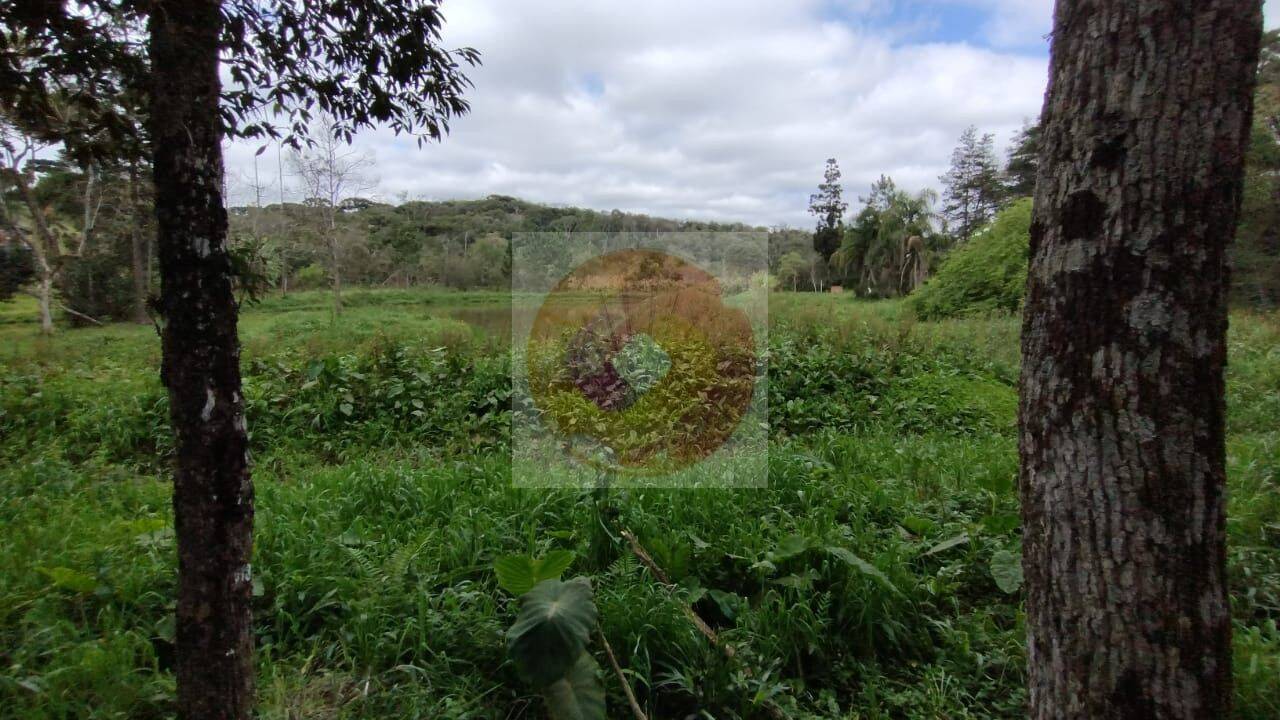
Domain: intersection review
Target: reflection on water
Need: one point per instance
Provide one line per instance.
(493, 320)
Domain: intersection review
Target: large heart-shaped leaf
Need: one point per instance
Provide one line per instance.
(1006, 568)
(789, 547)
(579, 695)
(552, 628)
(517, 574)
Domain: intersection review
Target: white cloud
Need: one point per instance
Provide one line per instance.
(718, 109)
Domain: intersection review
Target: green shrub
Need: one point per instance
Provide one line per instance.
(986, 275)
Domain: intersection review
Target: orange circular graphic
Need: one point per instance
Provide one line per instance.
(638, 364)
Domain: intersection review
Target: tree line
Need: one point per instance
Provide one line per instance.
(326, 233)
(889, 247)
(898, 239)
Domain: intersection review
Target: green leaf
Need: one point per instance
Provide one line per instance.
(552, 628)
(727, 602)
(65, 578)
(1001, 523)
(790, 546)
(947, 544)
(517, 574)
(552, 565)
(579, 695)
(862, 566)
(917, 525)
(1006, 568)
(802, 581)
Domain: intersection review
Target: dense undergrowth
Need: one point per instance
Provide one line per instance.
(874, 577)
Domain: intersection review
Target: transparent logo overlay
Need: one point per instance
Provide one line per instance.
(640, 359)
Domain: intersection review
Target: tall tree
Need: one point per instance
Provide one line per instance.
(1024, 161)
(366, 62)
(213, 492)
(828, 206)
(1146, 120)
(972, 185)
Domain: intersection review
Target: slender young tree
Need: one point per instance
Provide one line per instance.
(1146, 120)
(330, 173)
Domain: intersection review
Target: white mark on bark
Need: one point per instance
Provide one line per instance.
(209, 404)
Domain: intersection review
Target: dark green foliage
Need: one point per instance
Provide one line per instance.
(367, 63)
(987, 275)
(554, 625)
(828, 206)
(17, 268)
(578, 695)
(972, 184)
(462, 244)
(1255, 255)
(97, 285)
(1024, 162)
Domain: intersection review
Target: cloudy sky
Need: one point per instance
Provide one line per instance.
(714, 109)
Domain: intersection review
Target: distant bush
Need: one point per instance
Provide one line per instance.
(987, 274)
(310, 277)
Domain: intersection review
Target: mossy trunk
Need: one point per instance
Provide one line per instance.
(200, 366)
(1146, 120)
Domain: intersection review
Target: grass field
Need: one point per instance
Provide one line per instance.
(873, 578)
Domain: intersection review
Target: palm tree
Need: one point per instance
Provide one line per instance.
(878, 250)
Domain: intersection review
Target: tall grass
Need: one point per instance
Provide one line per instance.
(865, 581)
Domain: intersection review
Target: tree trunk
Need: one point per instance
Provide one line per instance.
(213, 493)
(337, 274)
(137, 253)
(44, 298)
(90, 211)
(1123, 345)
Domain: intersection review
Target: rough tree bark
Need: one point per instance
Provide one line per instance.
(1146, 119)
(213, 493)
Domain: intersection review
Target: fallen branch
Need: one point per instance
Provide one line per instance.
(662, 577)
(79, 314)
(636, 548)
(626, 686)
